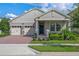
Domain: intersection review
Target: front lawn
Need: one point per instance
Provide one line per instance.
(56, 48)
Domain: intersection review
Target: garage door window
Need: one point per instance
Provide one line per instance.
(16, 26)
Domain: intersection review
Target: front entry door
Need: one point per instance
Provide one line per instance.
(41, 28)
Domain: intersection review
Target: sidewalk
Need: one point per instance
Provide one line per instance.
(15, 49)
(54, 44)
(59, 54)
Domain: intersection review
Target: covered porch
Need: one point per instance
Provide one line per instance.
(44, 27)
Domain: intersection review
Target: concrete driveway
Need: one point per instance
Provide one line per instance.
(15, 40)
(15, 45)
(16, 49)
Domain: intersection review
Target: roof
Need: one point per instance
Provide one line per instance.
(29, 21)
(26, 13)
(55, 11)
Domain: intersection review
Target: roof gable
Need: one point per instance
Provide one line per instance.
(28, 16)
(52, 14)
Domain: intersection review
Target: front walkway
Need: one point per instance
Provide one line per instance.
(15, 40)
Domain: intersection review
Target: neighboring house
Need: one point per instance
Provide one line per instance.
(36, 21)
(76, 10)
(71, 14)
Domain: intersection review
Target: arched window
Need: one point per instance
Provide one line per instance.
(55, 27)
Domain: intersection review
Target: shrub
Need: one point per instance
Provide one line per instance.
(34, 39)
(68, 35)
(65, 35)
(55, 36)
(39, 39)
(2, 34)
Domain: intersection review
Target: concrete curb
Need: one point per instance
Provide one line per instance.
(35, 51)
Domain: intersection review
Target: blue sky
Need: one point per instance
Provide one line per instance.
(15, 9)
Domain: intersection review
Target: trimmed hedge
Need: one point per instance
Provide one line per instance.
(55, 36)
(65, 35)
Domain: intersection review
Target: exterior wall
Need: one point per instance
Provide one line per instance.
(29, 31)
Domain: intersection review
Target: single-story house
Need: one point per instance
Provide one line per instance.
(39, 22)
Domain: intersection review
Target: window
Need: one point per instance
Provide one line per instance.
(55, 27)
(58, 27)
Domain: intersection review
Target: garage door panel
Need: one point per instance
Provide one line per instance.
(15, 31)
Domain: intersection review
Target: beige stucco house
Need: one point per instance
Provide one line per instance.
(39, 22)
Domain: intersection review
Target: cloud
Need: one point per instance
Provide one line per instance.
(58, 6)
(61, 6)
(10, 15)
(45, 7)
(25, 11)
(42, 6)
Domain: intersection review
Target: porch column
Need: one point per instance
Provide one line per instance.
(69, 26)
(36, 28)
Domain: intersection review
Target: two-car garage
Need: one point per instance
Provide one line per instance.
(19, 30)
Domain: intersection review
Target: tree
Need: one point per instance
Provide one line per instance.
(75, 16)
(76, 4)
(4, 25)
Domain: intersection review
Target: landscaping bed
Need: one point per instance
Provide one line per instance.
(56, 48)
(55, 41)
(64, 37)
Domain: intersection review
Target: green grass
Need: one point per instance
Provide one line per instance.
(3, 34)
(56, 48)
(55, 41)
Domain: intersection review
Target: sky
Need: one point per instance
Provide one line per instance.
(12, 10)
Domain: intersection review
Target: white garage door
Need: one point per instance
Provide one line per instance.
(15, 31)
